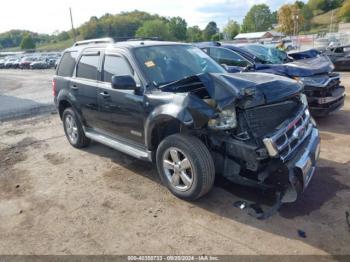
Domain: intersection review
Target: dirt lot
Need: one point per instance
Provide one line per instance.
(25, 92)
(55, 199)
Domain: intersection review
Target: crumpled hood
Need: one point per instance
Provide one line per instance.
(242, 89)
(300, 68)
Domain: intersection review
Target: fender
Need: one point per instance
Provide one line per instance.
(65, 95)
(165, 113)
(188, 109)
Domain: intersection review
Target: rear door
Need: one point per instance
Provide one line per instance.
(84, 84)
(121, 112)
(65, 70)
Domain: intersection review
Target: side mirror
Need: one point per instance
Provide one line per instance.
(125, 82)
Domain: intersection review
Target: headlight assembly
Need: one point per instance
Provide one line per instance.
(226, 120)
(319, 81)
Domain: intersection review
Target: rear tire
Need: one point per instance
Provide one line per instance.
(74, 129)
(185, 166)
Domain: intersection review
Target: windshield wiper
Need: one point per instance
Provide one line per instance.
(176, 82)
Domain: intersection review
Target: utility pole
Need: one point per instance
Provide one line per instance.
(71, 20)
(331, 25)
(295, 17)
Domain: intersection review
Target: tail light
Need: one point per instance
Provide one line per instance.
(54, 91)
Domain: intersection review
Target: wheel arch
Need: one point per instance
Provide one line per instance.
(65, 100)
(164, 121)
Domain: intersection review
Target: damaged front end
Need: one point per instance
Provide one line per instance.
(262, 134)
(324, 92)
(321, 85)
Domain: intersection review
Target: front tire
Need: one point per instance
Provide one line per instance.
(74, 129)
(185, 166)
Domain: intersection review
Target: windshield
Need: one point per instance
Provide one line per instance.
(268, 55)
(168, 63)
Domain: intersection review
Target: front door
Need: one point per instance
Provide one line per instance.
(120, 112)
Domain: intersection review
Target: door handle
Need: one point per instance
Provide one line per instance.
(105, 94)
(74, 87)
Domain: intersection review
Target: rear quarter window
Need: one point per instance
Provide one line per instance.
(67, 64)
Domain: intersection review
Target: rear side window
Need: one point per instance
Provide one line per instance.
(87, 67)
(227, 57)
(67, 64)
(115, 65)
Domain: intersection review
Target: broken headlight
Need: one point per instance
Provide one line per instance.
(225, 120)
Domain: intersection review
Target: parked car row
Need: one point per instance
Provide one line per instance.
(184, 110)
(30, 61)
(314, 71)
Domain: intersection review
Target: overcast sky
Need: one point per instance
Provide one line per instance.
(46, 16)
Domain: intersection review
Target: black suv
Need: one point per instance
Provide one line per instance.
(172, 104)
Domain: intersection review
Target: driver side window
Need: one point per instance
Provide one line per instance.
(115, 65)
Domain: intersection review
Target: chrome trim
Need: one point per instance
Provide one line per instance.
(328, 99)
(306, 163)
(118, 145)
(285, 141)
(107, 40)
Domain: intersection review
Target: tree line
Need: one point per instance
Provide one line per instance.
(142, 24)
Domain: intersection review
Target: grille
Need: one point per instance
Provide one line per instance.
(333, 84)
(288, 138)
(266, 119)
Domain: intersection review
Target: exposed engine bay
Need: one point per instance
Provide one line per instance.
(261, 123)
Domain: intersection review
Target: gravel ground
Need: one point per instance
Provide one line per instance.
(55, 199)
(25, 92)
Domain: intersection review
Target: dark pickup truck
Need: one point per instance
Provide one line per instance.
(172, 104)
(322, 86)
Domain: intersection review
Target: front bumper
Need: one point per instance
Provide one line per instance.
(302, 166)
(330, 105)
(326, 99)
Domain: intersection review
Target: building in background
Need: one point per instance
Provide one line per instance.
(260, 37)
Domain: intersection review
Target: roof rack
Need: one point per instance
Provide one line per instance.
(109, 40)
(123, 39)
(106, 40)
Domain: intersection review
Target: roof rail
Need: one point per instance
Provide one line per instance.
(106, 40)
(123, 39)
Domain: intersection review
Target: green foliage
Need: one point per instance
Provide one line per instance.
(178, 28)
(55, 46)
(27, 42)
(286, 15)
(307, 15)
(217, 37)
(231, 30)
(344, 12)
(274, 18)
(194, 34)
(210, 30)
(91, 29)
(154, 28)
(321, 6)
(299, 4)
(63, 36)
(257, 19)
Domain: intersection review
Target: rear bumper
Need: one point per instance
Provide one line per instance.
(302, 166)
